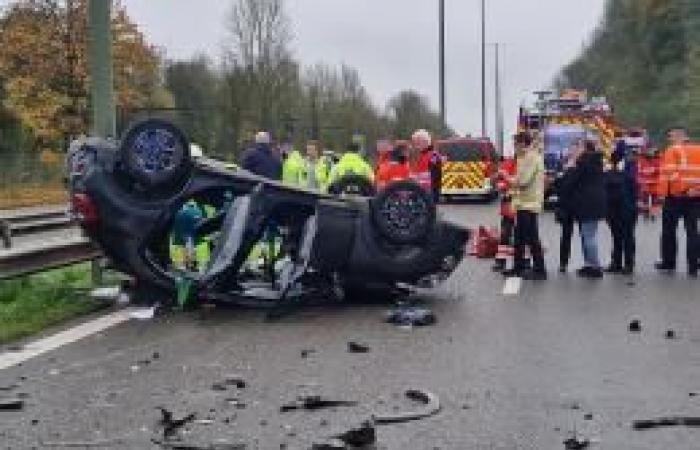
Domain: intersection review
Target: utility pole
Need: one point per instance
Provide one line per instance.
(498, 102)
(101, 69)
(442, 63)
(483, 69)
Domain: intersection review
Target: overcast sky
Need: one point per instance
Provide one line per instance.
(393, 43)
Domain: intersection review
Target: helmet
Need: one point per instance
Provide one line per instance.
(422, 139)
(196, 151)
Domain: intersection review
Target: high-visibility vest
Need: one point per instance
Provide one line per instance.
(680, 171)
(351, 164)
(294, 170)
(648, 168)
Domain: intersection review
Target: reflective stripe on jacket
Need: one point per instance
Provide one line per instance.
(680, 171)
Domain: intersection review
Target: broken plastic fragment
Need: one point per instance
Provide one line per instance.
(143, 313)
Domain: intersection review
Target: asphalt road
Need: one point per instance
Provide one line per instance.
(512, 372)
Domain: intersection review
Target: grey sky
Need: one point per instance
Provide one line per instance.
(393, 43)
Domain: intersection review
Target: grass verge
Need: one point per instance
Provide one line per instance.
(33, 303)
(32, 195)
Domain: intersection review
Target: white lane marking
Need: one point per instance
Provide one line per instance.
(512, 286)
(36, 348)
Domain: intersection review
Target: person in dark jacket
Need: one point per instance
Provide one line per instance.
(585, 192)
(564, 214)
(621, 185)
(261, 159)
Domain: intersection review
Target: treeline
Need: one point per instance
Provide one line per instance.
(259, 83)
(645, 57)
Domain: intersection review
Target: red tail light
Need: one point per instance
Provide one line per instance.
(85, 210)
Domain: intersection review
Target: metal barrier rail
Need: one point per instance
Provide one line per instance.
(45, 256)
(28, 221)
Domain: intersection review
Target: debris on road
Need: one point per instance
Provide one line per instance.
(356, 347)
(235, 380)
(333, 444)
(171, 425)
(412, 315)
(11, 404)
(306, 352)
(575, 443)
(192, 446)
(360, 437)
(588, 416)
(666, 422)
(635, 326)
(315, 402)
(670, 334)
(143, 313)
(430, 400)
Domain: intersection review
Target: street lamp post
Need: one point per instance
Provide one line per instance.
(442, 62)
(101, 71)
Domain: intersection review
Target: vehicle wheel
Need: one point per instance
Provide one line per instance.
(155, 154)
(355, 185)
(403, 213)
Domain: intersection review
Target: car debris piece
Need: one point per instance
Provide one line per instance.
(235, 380)
(356, 347)
(575, 443)
(670, 334)
(333, 444)
(11, 404)
(430, 400)
(411, 316)
(365, 435)
(315, 402)
(192, 446)
(171, 425)
(588, 416)
(666, 422)
(306, 352)
(635, 326)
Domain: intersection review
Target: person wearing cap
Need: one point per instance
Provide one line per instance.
(261, 159)
(679, 186)
(528, 201)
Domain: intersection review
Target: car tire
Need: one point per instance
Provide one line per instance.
(155, 154)
(404, 213)
(355, 185)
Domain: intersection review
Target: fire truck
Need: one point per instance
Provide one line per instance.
(559, 120)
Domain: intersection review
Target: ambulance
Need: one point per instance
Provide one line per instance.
(469, 168)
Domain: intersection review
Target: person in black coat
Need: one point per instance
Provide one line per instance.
(585, 192)
(563, 213)
(621, 185)
(261, 159)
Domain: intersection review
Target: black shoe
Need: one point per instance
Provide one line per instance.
(500, 266)
(613, 268)
(627, 271)
(535, 275)
(512, 273)
(563, 269)
(663, 267)
(590, 272)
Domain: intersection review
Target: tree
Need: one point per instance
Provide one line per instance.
(410, 111)
(44, 73)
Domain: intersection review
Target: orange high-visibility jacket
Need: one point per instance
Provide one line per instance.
(648, 170)
(680, 171)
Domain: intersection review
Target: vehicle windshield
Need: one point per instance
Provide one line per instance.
(465, 152)
(558, 140)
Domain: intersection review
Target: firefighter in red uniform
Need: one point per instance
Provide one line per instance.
(393, 166)
(427, 168)
(506, 172)
(648, 171)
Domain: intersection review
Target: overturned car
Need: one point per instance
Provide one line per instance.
(268, 242)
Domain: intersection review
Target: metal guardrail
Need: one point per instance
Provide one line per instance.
(23, 222)
(45, 256)
(39, 251)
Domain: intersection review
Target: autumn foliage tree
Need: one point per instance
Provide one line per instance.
(44, 67)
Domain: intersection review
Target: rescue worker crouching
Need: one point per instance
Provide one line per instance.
(351, 163)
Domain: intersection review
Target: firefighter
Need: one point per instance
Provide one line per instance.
(648, 170)
(351, 163)
(506, 171)
(679, 187)
(393, 166)
(427, 170)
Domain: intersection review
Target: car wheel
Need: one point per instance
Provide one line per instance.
(155, 154)
(354, 185)
(404, 213)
